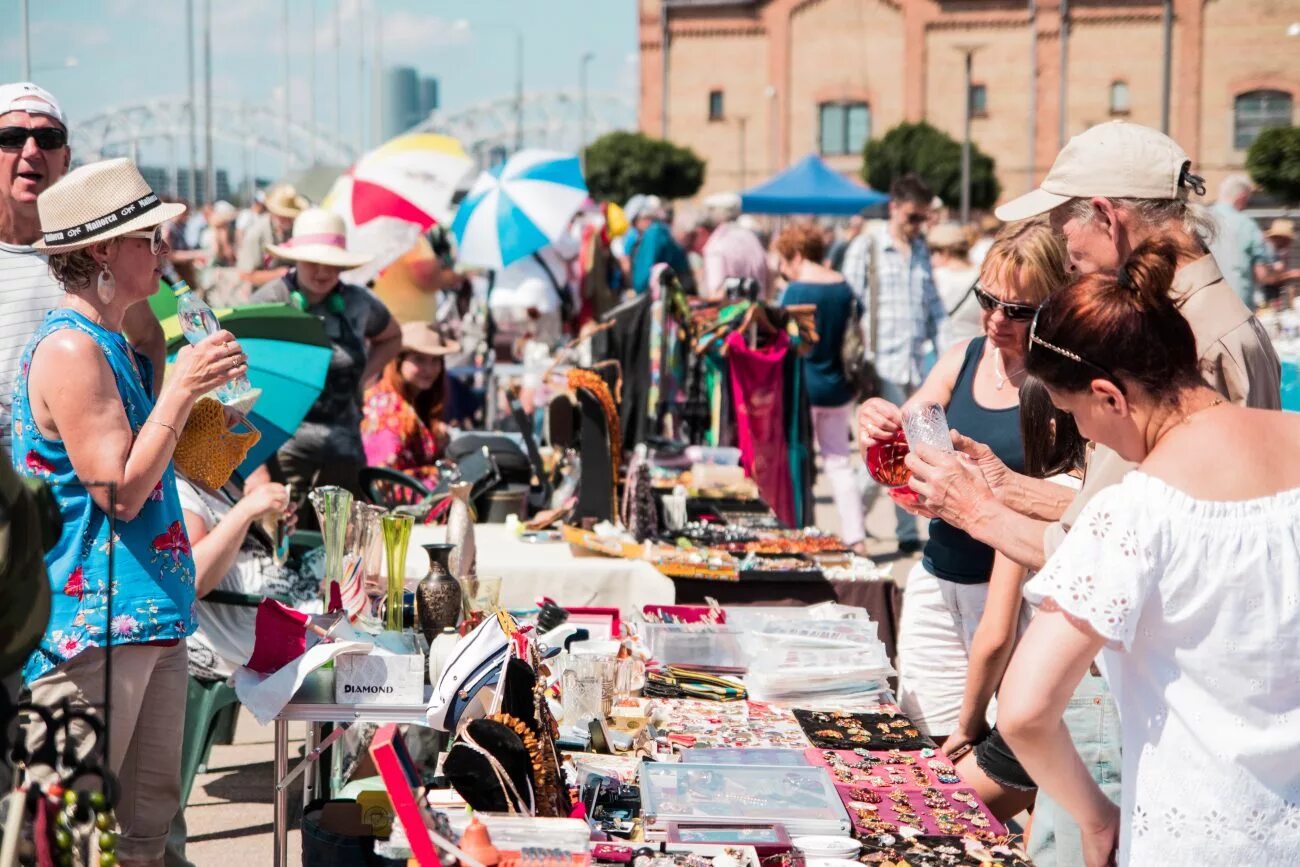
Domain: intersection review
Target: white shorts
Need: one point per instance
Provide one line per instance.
(934, 639)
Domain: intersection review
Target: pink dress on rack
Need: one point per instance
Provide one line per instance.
(758, 389)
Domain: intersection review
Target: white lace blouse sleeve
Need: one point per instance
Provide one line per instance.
(1104, 572)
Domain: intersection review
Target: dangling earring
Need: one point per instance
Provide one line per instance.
(107, 286)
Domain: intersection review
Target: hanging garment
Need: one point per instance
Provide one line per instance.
(758, 385)
(628, 342)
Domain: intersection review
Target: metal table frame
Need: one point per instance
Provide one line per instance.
(314, 704)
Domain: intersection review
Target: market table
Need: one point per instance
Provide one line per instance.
(882, 599)
(314, 704)
(529, 570)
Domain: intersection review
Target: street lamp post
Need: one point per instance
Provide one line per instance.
(519, 90)
(27, 43)
(969, 52)
(194, 134)
(287, 105)
(582, 88)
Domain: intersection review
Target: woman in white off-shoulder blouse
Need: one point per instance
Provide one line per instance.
(1187, 574)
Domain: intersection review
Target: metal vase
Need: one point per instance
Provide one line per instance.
(438, 596)
(333, 507)
(460, 532)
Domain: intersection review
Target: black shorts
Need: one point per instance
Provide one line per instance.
(995, 759)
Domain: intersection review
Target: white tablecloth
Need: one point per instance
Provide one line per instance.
(529, 571)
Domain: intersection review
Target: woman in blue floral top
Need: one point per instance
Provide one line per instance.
(87, 423)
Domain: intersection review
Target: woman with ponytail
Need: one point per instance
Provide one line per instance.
(1186, 574)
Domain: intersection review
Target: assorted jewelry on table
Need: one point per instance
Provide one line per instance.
(684, 724)
(840, 730)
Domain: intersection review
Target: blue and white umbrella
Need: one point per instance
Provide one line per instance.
(518, 208)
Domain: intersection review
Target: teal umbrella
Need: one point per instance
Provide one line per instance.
(288, 357)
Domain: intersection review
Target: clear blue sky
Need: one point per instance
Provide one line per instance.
(132, 51)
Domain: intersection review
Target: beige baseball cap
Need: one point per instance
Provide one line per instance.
(1116, 160)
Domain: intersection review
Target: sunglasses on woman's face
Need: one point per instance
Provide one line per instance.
(1014, 312)
(157, 238)
(48, 138)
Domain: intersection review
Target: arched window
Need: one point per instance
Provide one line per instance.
(1119, 98)
(1258, 110)
(844, 127)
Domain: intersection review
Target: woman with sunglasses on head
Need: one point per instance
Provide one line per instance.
(977, 381)
(87, 422)
(1186, 574)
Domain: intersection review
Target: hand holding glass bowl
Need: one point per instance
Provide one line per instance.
(887, 452)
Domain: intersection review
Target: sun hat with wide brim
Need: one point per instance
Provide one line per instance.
(97, 202)
(284, 201)
(320, 237)
(424, 338)
(1281, 228)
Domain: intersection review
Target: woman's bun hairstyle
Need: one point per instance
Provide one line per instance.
(1125, 323)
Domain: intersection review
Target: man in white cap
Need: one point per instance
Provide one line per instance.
(33, 155)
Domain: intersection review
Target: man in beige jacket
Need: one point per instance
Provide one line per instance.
(1111, 188)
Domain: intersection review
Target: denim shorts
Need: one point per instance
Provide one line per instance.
(996, 760)
(1093, 721)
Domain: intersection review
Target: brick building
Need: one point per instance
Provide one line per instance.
(753, 85)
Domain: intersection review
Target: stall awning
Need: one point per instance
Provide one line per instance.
(809, 187)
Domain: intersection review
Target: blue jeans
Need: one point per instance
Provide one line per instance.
(1093, 721)
(897, 394)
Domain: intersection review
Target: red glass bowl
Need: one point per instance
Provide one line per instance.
(886, 462)
(905, 496)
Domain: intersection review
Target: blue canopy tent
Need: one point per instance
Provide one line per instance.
(809, 187)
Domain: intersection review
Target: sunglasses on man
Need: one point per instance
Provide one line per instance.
(1014, 312)
(48, 138)
(157, 238)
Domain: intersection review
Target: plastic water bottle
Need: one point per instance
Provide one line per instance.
(197, 322)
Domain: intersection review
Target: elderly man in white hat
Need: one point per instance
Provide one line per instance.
(732, 250)
(33, 155)
(327, 448)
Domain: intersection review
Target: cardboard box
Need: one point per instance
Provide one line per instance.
(391, 674)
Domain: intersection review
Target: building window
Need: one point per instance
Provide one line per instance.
(844, 127)
(715, 105)
(979, 100)
(1119, 98)
(1256, 111)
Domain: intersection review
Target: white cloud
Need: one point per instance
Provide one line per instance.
(409, 35)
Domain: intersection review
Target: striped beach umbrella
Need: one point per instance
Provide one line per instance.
(518, 208)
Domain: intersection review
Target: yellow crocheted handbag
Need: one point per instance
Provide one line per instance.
(208, 451)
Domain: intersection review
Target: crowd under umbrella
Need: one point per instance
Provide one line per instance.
(288, 357)
(397, 191)
(518, 208)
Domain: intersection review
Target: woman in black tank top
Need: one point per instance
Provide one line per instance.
(978, 384)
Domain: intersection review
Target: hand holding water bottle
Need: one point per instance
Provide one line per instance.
(207, 365)
(200, 324)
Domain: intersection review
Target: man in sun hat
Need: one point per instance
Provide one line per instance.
(327, 448)
(33, 155)
(255, 262)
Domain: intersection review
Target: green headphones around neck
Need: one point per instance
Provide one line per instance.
(334, 302)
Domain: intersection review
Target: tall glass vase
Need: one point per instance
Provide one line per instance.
(333, 507)
(397, 536)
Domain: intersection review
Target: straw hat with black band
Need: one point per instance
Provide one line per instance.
(97, 202)
(424, 338)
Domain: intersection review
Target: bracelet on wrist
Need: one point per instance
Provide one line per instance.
(175, 436)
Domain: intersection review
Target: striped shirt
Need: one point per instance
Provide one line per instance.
(27, 293)
(909, 306)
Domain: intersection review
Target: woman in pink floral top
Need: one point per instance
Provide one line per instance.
(402, 428)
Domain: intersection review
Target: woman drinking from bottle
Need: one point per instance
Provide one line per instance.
(86, 421)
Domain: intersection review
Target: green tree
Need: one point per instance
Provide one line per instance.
(936, 157)
(1274, 162)
(621, 164)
